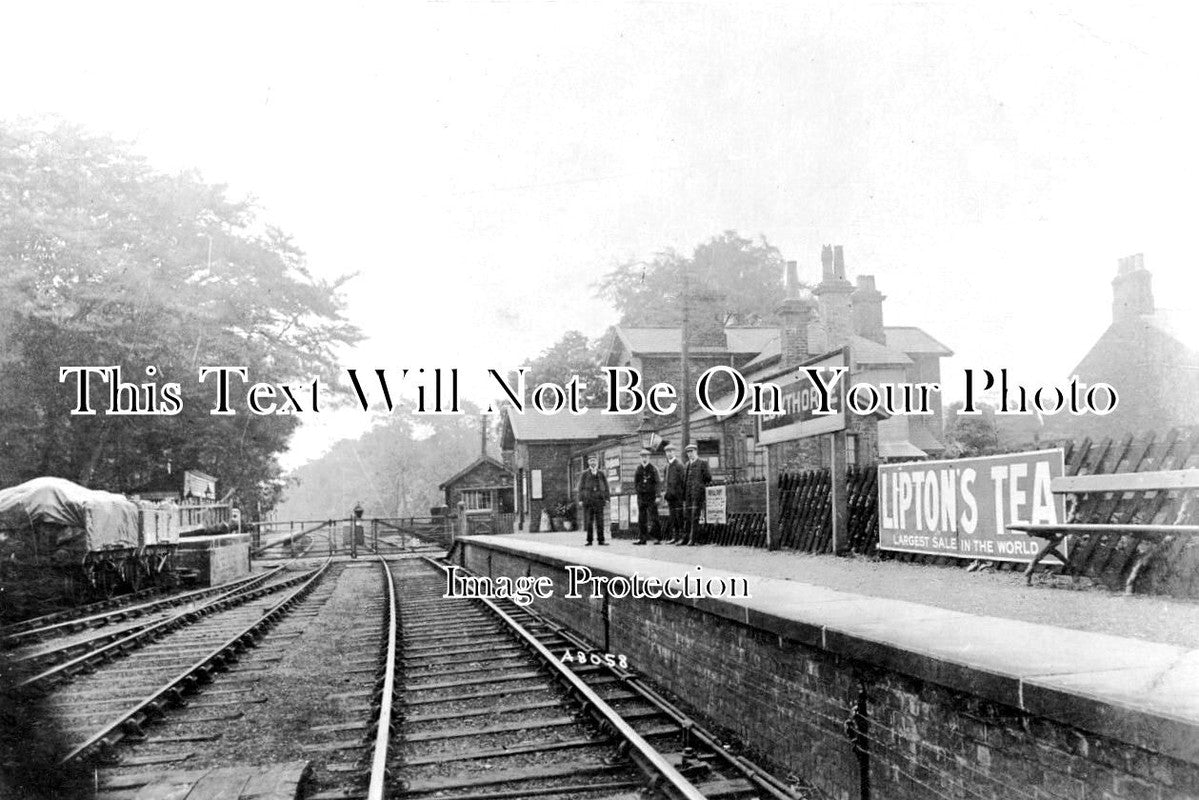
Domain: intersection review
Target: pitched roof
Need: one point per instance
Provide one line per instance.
(864, 351)
(1178, 325)
(468, 468)
(913, 340)
(923, 438)
(533, 426)
(669, 340)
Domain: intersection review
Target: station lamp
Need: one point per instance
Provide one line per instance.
(646, 433)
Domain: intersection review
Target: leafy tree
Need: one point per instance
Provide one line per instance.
(730, 278)
(971, 435)
(571, 355)
(104, 261)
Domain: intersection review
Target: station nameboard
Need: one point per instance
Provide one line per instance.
(801, 397)
(961, 507)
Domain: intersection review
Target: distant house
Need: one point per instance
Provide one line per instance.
(1149, 355)
(483, 486)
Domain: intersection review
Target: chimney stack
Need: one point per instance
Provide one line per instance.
(833, 293)
(1132, 289)
(867, 306)
(795, 313)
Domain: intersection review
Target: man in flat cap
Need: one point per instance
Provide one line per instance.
(593, 496)
(675, 483)
(697, 478)
(645, 481)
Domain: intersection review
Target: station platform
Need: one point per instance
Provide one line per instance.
(993, 594)
(801, 639)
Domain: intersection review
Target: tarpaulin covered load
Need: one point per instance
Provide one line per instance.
(106, 520)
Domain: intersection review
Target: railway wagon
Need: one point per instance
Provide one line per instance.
(62, 543)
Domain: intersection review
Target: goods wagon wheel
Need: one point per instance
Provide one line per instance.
(137, 574)
(106, 577)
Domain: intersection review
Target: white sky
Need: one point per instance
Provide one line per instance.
(481, 164)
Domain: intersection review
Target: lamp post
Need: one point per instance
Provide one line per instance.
(354, 530)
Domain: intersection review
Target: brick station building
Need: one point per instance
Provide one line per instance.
(547, 453)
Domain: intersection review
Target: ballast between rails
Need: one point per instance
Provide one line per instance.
(139, 637)
(131, 720)
(123, 612)
(667, 779)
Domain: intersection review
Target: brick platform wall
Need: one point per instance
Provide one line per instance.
(789, 701)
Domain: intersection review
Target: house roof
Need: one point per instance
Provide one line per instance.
(864, 351)
(913, 340)
(1178, 325)
(923, 438)
(741, 341)
(763, 343)
(564, 426)
(470, 467)
(903, 449)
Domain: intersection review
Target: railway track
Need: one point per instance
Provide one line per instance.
(66, 615)
(101, 698)
(60, 660)
(57, 641)
(389, 690)
(310, 691)
(489, 710)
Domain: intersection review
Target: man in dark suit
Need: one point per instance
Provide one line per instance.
(593, 495)
(698, 476)
(675, 484)
(645, 481)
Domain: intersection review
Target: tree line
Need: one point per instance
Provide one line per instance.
(106, 261)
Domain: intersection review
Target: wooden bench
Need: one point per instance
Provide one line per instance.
(1118, 483)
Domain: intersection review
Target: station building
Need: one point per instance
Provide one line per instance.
(546, 454)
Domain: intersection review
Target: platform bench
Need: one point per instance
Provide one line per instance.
(1157, 534)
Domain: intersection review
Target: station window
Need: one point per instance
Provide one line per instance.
(851, 449)
(476, 499)
(755, 459)
(709, 449)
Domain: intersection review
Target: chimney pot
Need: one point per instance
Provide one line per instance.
(1132, 288)
(867, 308)
(791, 279)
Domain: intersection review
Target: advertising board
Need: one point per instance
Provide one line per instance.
(714, 505)
(961, 507)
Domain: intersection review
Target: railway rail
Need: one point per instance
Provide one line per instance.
(390, 690)
(76, 612)
(116, 696)
(61, 628)
(61, 661)
(334, 653)
(490, 710)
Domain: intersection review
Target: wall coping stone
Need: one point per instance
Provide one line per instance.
(1142, 693)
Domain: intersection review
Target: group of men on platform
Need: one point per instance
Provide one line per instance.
(685, 488)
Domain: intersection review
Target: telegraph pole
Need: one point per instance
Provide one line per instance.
(686, 389)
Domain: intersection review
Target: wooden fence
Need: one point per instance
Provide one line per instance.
(805, 513)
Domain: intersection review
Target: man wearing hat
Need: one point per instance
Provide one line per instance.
(645, 481)
(675, 483)
(697, 478)
(593, 496)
